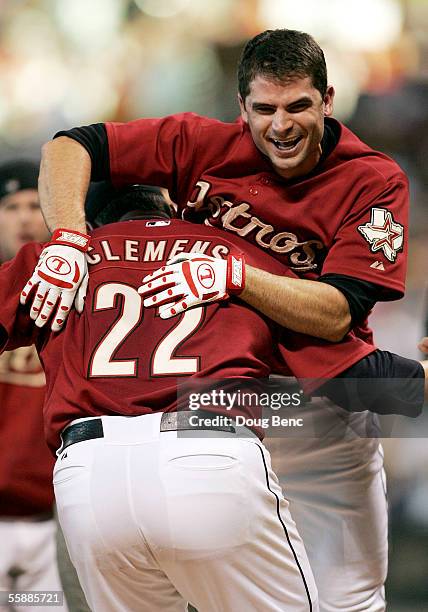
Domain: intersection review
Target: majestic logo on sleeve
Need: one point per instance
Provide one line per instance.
(382, 233)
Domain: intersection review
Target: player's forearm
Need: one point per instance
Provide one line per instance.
(65, 172)
(309, 307)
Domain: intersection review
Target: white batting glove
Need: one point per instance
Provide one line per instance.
(192, 279)
(59, 278)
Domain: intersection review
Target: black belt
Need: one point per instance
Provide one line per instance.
(170, 421)
(79, 432)
(180, 421)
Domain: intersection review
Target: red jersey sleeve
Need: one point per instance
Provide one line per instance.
(153, 151)
(371, 243)
(16, 327)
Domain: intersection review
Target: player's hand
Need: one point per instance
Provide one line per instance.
(423, 345)
(59, 278)
(192, 279)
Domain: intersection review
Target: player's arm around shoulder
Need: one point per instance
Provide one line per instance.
(65, 172)
(368, 251)
(369, 247)
(60, 274)
(309, 307)
(304, 306)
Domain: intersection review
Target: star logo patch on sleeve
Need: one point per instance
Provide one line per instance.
(383, 233)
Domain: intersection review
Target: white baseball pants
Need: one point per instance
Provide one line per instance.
(335, 484)
(153, 520)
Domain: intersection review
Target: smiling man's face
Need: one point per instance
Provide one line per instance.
(286, 120)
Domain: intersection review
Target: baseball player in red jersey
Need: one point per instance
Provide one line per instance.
(27, 529)
(302, 187)
(151, 518)
(130, 361)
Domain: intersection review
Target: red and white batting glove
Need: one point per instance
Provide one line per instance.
(192, 279)
(59, 278)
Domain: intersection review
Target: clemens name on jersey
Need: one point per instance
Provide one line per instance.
(118, 248)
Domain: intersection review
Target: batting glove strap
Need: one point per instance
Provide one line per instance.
(235, 275)
(71, 238)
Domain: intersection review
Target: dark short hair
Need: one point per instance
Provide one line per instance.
(107, 204)
(280, 54)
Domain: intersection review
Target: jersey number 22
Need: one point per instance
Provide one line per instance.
(163, 362)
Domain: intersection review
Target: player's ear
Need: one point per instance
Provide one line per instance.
(244, 113)
(328, 101)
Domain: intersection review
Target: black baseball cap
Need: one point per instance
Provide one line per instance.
(18, 175)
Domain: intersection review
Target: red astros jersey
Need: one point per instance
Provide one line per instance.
(348, 216)
(118, 358)
(25, 461)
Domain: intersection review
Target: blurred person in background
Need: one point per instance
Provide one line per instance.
(27, 528)
(297, 183)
